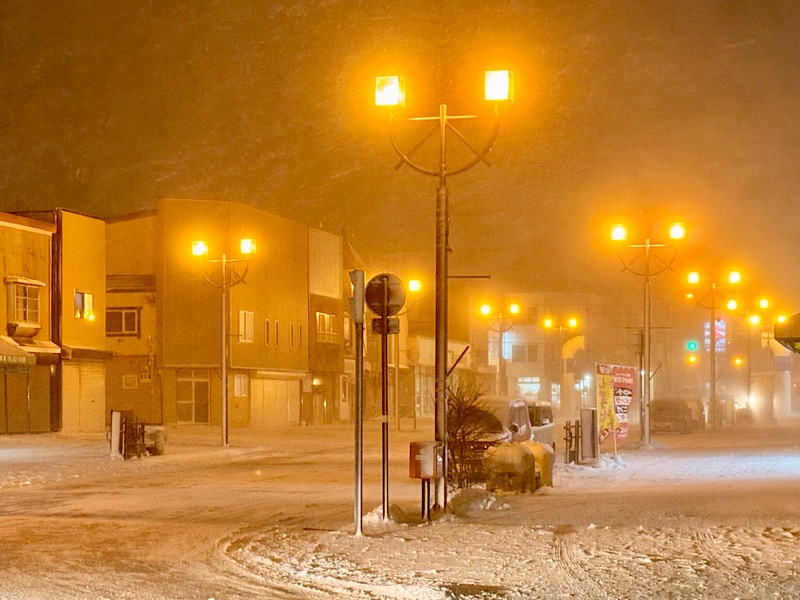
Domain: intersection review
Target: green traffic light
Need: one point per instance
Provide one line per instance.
(692, 345)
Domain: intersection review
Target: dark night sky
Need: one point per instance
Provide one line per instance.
(642, 111)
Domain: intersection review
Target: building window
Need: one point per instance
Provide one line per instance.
(246, 326)
(266, 332)
(84, 306)
(123, 322)
(276, 333)
(291, 335)
(240, 385)
(326, 328)
(25, 303)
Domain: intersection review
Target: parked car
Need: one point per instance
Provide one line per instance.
(543, 427)
(672, 415)
(525, 419)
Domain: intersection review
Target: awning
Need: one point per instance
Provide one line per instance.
(40, 347)
(13, 355)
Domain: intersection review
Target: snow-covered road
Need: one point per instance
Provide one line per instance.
(707, 515)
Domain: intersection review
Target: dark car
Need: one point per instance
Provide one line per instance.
(671, 415)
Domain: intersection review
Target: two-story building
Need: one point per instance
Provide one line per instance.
(282, 325)
(27, 353)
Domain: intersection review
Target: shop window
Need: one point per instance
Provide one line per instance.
(246, 326)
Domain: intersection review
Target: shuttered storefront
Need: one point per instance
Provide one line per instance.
(84, 396)
(274, 402)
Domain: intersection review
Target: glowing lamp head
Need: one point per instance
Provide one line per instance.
(754, 319)
(619, 233)
(247, 247)
(573, 323)
(390, 90)
(677, 231)
(414, 285)
(499, 86)
(734, 277)
(781, 318)
(693, 278)
(199, 248)
(732, 304)
(548, 323)
(486, 309)
(763, 303)
(514, 309)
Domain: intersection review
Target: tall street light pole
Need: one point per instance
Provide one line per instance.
(390, 91)
(228, 279)
(712, 299)
(504, 324)
(641, 264)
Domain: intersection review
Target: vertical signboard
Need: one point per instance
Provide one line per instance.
(616, 386)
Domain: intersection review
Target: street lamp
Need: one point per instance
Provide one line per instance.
(567, 331)
(390, 91)
(712, 299)
(501, 323)
(642, 264)
(228, 279)
(759, 316)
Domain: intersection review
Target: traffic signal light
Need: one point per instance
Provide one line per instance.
(691, 345)
(691, 359)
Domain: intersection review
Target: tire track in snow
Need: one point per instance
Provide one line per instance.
(579, 582)
(738, 568)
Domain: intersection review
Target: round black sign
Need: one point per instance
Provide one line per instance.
(385, 292)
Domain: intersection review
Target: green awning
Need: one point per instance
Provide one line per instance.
(13, 355)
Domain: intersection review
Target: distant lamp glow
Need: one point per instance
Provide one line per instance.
(619, 233)
(499, 86)
(390, 90)
(573, 323)
(734, 277)
(781, 318)
(486, 309)
(548, 323)
(199, 248)
(247, 246)
(693, 277)
(414, 285)
(732, 304)
(677, 231)
(514, 309)
(738, 361)
(754, 319)
(763, 303)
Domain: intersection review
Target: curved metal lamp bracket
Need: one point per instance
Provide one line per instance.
(443, 125)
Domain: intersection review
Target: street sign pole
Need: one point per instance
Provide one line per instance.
(357, 314)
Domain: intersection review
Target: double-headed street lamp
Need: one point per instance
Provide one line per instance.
(712, 299)
(759, 316)
(501, 323)
(641, 263)
(567, 330)
(228, 278)
(390, 91)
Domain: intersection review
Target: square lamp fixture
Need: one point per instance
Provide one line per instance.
(499, 86)
(199, 248)
(247, 247)
(390, 90)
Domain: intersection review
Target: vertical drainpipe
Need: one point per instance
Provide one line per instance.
(56, 317)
